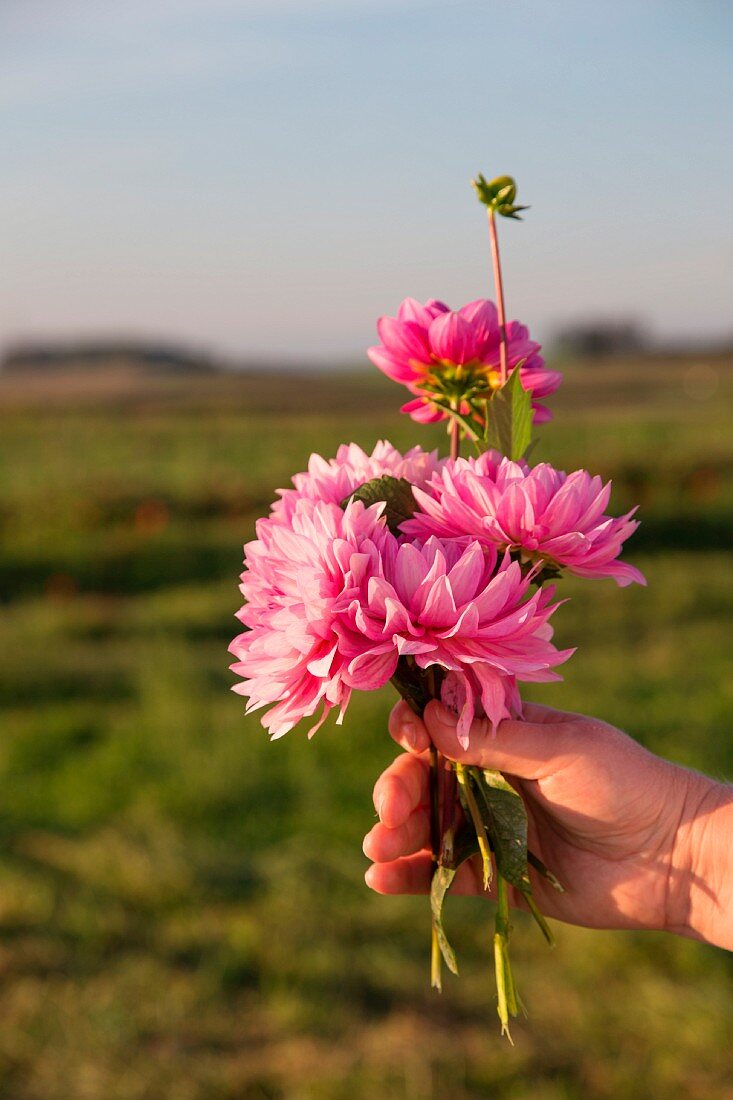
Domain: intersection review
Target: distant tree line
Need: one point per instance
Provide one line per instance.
(601, 339)
(103, 354)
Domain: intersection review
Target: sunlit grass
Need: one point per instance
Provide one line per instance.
(182, 911)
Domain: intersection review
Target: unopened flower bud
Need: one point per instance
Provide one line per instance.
(498, 195)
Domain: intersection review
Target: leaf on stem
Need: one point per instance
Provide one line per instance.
(465, 846)
(470, 428)
(396, 492)
(509, 423)
(539, 918)
(541, 869)
(505, 818)
(442, 879)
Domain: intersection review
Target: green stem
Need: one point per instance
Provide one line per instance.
(478, 824)
(506, 992)
(436, 977)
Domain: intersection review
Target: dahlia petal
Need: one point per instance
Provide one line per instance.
(457, 694)
(465, 718)
(395, 367)
(493, 695)
(404, 338)
(396, 617)
(542, 511)
(435, 306)
(439, 607)
(343, 708)
(413, 647)
(466, 623)
(619, 571)
(321, 666)
(541, 415)
(423, 411)
(452, 338)
(483, 317)
(411, 569)
(465, 575)
(324, 715)
(540, 382)
(412, 310)
(517, 514)
(372, 669)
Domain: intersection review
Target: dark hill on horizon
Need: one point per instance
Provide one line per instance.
(147, 356)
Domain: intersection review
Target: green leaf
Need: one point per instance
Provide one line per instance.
(540, 868)
(464, 847)
(442, 879)
(509, 428)
(541, 922)
(505, 817)
(396, 492)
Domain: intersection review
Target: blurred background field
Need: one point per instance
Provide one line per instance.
(182, 909)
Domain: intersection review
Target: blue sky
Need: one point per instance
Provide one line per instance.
(267, 176)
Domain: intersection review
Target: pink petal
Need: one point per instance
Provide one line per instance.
(395, 367)
(423, 411)
(466, 574)
(412, 310)
(371, 670)
(411, 568)
(321, 666)
(493, 695)
(404, 338)
(452, 338)
(439, 608)
(483, 318)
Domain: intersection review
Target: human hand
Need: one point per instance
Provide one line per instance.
(635, 840)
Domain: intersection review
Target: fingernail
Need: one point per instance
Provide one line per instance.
(409, 732)
(443, 714)
(365, 844)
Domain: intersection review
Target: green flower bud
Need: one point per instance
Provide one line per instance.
(498, 195)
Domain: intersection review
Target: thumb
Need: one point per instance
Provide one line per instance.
(529, 750)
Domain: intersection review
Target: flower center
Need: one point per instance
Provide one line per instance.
(453, 385)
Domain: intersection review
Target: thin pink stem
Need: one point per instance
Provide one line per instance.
(503, 358)
(455, 439)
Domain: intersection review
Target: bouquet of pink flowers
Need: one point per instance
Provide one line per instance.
(434, 573)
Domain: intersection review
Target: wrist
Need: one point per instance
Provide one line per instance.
(700, 889)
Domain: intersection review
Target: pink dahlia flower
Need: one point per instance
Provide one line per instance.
(545, 513)
(332, 480)
(298, 578)
(446, 604)
(428, 346)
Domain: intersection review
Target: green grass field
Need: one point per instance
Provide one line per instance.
(182, 907)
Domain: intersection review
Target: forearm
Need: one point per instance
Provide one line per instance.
(701, 878)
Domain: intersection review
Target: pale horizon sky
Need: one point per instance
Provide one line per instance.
(266, 177)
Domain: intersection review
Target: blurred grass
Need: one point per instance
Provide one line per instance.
(182, 912)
